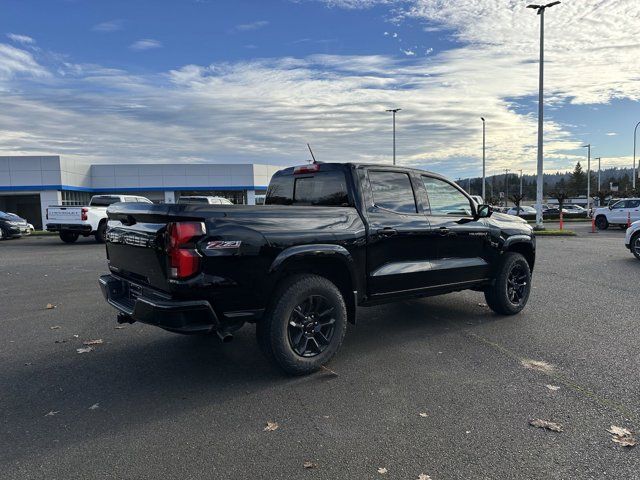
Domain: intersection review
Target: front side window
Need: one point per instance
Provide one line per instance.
(619, 204)
(445, 199)
(392, 191)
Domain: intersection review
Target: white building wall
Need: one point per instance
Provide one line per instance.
(48, 197)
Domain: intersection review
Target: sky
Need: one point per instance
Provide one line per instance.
(255, 80)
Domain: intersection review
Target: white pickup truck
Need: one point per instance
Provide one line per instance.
(71, 222)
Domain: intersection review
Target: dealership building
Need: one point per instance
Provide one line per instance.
(29, 184)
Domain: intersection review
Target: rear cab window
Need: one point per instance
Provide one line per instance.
(103, 201)
(327, 189)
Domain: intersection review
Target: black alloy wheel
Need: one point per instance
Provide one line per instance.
(311, 326)
(517, 284)
(635, 245)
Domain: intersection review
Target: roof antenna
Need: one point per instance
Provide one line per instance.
(312, 155)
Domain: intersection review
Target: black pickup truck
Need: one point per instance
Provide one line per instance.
(331, 238)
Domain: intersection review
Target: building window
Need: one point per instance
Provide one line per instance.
(75, 198)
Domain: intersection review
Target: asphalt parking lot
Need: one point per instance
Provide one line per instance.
(151, 404)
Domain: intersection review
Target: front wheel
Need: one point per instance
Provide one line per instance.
(305, 326)
(635, 245)
(602, 223)
(511, 288)
(69, 237)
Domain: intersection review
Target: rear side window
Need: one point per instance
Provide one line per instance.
(328, 189)
(633, 203)
(392, 191)
(104, 201)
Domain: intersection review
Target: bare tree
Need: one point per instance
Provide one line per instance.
(516, 198)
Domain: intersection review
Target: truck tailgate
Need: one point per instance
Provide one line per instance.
(65, 214)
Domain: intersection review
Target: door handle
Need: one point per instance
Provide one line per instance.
(387, 232)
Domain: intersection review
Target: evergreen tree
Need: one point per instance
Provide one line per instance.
(578, 181)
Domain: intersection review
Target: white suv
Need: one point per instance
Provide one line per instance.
(618, 213)
(632, 239)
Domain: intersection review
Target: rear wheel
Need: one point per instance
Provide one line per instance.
(635, 245)
(510, 291)
(100, 232)
(69, 237)
(305, 326)
(601, 222)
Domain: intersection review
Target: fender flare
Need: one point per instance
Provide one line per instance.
(518, 239)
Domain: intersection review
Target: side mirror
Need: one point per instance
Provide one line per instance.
(484, 211)
(610, 207)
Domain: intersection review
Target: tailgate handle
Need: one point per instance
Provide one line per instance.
(127, 220)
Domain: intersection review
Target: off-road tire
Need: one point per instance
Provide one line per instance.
(601, 222)
(272, 331)
(69, 237)
(497, 295)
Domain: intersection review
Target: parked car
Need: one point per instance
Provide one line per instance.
(71, 222)
(12, 226)
(331, 238)
(618, 213)
(207, 200)
(30, 227)
(632, 239)
(524, 210)
(570, 208)
(554, 211)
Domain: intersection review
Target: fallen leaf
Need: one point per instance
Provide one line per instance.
(52, 413)
(64, 340)
(553, 388)
(308, 464)
(271, 426)
(95, 406)
(538, 365)
(93, 342)
(28, 364)
(75, 336)
(50, 306)
(482, 305)
(55, 327)
(424, 414)
(84, 350)
(619, 431)
(547, 425)
(382, 470)
(622, 436)
(119, 327)
(424, 476)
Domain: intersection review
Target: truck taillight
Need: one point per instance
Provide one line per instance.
(83, 215)
(184, 260)
(314, 167)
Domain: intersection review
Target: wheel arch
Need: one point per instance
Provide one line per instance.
(524, 246)
(332, 262)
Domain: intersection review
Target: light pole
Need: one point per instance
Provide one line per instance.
(521, 182)
(588, 147)
(599, 158)
(394, 111)
(506, 186)
(635, 131)
(540, 182)
(484, 147)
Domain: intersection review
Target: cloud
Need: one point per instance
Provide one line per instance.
(611, 134)
(145, 44)
(23, 39)
(109, 26)
(15, 61)
(247, 27)
(409, 53)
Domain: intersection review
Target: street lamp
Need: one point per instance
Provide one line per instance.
(635, 131)
(394, 111)
(506, 186)
(520, 182)
(588, 147)
(540, 182)
(484, 146)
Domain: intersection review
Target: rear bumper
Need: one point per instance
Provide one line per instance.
(143, 305)
(69, 227)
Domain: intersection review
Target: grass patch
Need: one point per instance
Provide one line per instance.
(555, 233)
